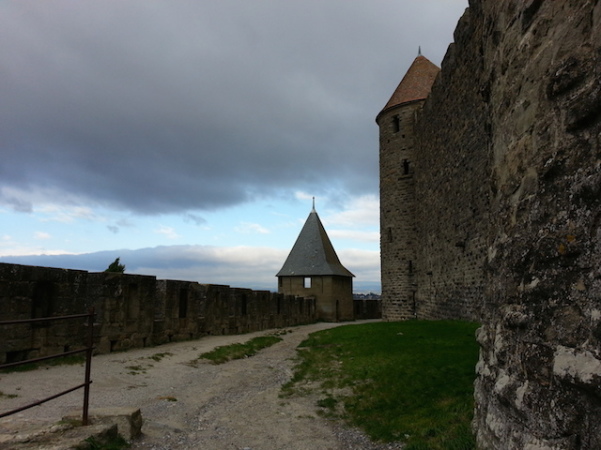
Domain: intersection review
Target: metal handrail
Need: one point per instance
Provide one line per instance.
(88, 350)
(44, 319)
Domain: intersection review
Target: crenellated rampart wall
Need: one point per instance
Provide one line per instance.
(132, 310)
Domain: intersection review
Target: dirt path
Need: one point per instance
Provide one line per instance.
(192, 406)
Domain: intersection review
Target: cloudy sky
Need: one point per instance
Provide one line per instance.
(188, 137)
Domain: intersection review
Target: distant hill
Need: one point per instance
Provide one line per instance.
(368, 296)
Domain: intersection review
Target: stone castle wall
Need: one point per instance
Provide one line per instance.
(539, 378)
(132, 310)
(508, 209)
(452, 169)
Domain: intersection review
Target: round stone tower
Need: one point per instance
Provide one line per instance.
(397, 190)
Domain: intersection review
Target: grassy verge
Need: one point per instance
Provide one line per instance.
(62, 361)
(3, 395)
(398, 381)
(117, 443)
(237, 351)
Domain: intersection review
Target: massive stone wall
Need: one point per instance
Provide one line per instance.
(509, 160)
(540, 368)
(453, 150)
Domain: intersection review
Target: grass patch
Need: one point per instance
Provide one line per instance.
(404, 381)
(327, 402)
(71, 422)
(70, 360)
(158, 356)
(136, 369)
(3, 395)
(117, 443)
(23, 368)
(226, 353)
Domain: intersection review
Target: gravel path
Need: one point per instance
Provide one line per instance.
(191, 404)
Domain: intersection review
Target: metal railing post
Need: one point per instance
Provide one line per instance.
(86, 389)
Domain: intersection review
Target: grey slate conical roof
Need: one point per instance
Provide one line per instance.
(313, 253)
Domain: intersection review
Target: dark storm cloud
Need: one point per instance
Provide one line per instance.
(180, 105)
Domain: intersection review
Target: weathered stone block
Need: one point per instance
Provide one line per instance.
(128, 420)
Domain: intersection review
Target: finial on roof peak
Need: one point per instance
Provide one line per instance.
(313, 204)
(419, 50)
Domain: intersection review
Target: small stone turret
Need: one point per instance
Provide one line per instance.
(397, 189)
(313, 269)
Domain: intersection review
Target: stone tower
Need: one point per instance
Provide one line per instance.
(313, 269)
(397, 190)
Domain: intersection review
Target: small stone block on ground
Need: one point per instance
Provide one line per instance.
(128, 420)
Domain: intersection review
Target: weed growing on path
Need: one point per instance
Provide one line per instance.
(158, 356)
(3, 395)
(117, 443)
(226, 353)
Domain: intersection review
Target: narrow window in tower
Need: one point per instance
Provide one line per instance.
(410, 267)
(389, 234)
(396, 124)
(307, 282)
(405, 167)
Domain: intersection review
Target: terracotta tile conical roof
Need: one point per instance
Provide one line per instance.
(313, 254)
(416, 84)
